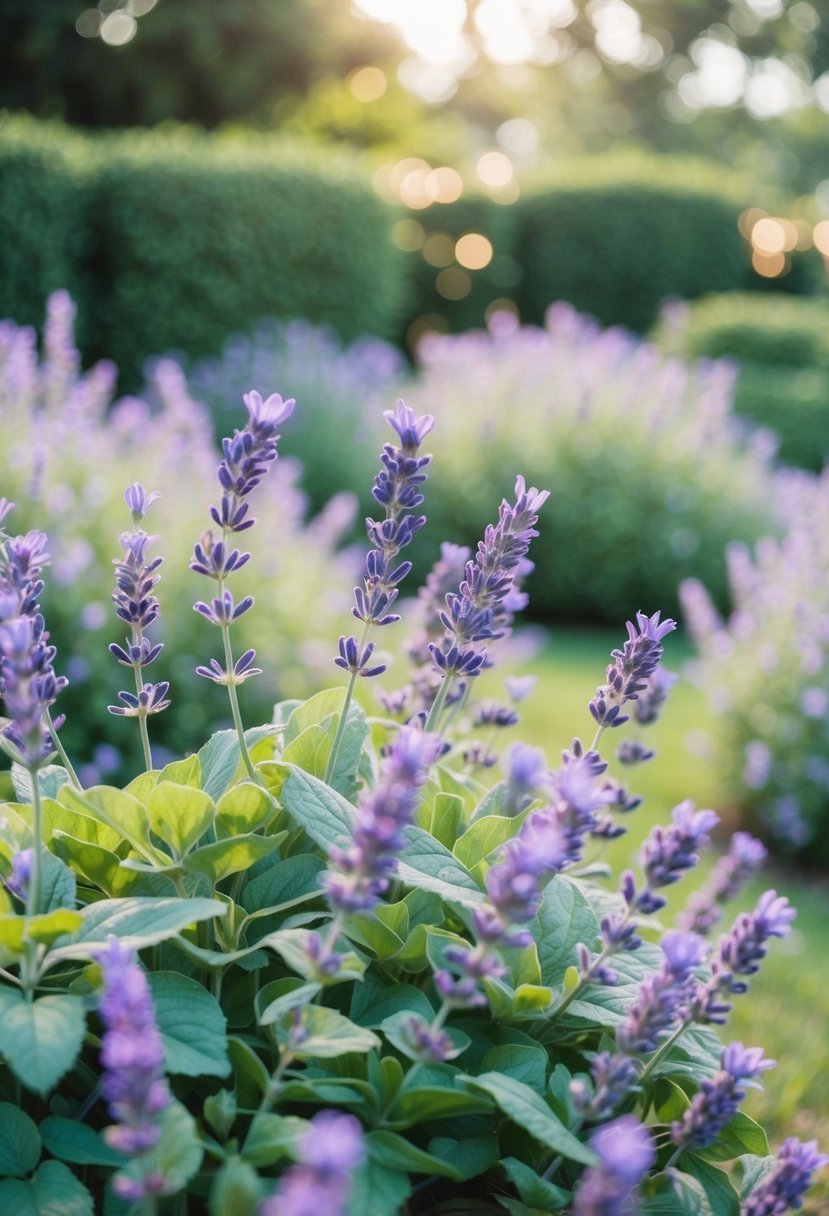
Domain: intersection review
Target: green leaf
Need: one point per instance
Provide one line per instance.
(193, 1027)
(672, 1193)
(283, 885)
(432, 1093)
(753, 1171)
(325, 815)
(318, 719)
(73, 1141)
(180, 815)
(54, 1191)
(46, 929)
(426, 864)
(243, 808)
(740, 1136)
(293, 946)
(230, 855)
(329, 1034)
(564, 919)
(524, 1106)
(282, 996)
(41, 1039)
(533, 1189)
(100, 867)
(440, 814)
(220, 1111)
(58, 887)
(670, 1102)
(468, 1157)
(182, 772)
(236, 1188)
(716, 1184)
(178, 1154)
(119, 810)
(483, 837)
(19, 1142)
(377, 1190)
(59, 819)
(272, 1138)
(519, 1061)
(372, 1002)
(138, 921)
(252, 1077)
(605, 1005)
(221, 758)
(390, 1149)
(49, 778)
(394, 1028)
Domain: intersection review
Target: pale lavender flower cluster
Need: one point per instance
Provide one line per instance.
(246, 459)
(744, 858)
(662, 996)
(329, 1152)
(632, 667)
(615, 1077)
(28, 684)
(626, 1153)
(515, 884)
(359, 873)
(397, 488)
(132, 1055)
(668, 852)
(481, 609)
(784, 1188)
(137, 605)
(719, 1097)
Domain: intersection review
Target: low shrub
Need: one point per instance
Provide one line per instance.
(616, 238)
(70, 450)
(765, 668)
(650, 475)
(321, 965)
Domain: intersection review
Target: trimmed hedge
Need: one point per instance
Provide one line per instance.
(616, 239)
(174, 241)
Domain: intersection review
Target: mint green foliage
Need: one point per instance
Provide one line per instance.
(782, 347)
(171, 241)
(617, 237)
(215, 879)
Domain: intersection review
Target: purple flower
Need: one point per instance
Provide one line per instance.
(744, 858)
(515, 884)
(136, 604)
(669, 851)
(527, 774)
(430, 1044)
(626, 1153)
(719, 1097)
(578, 797)
(632, 667)
(21, 875)
(615, 1077)
(788, 1181)
(652, 697)
(132, 1055)
(139, 501)
(328, 1152)
(663, 996)
(359, 873)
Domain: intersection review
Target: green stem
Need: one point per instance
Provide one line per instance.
(60, 749)
(142, 718)
(663, 1050)
(438, 703)
(36, 881)
(234, 702)
(343, 722)
(594, 746)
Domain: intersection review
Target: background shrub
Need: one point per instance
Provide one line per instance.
(782, 346)
(649, 476)
(765, 669)
(615, 238)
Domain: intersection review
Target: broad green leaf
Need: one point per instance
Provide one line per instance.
(97, 865)
(182, 772)
(526, 1108)
(243, 808)
(281, 996)
(564, 919)
(602, 1005)
(59, 819)
(484, 837)
(293, 946)
(220, 758)
(329, 1034)
(533, 1189)
(178, 1154)
(383, 931)
(49, 778)
(283, 885)
(272, 1138)
(230, 855)
(41, 1039)
(138, 921)
(73, 1141)
(58, 886)
(325, 815)
(673, 1193)
(440, 814)
(377, 1190)
(532, 1000)
(716, 1183)
(372, 1002)
(220, 1111)
(670, 1102)
(54, 1191)
(753, 1171)
(390, 1149)
(523, 1063)
(426, 864)
(469, 1157)
(46, 929)
(395, 1028)
(252, 1077)
(180, 815)
(143, 785)
(494, 803)
(740, 1136)
(193, 1027)
(19, 1142)
(432, 1092)
(236, 1188)
(322, 713)
(119, 810)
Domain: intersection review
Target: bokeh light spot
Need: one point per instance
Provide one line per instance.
(439, 249)
(474, 251)
(453, 283)
(367, 84)
(494, 169)
(118, 28)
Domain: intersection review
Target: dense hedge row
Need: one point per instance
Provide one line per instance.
(782, 347)
(175, 241)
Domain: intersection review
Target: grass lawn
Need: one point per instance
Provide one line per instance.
(787, 1010)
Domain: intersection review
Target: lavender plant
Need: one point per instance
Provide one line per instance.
(254, 982)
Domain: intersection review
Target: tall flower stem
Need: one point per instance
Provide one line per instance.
(663, 1050)
(233, 695)
(61, 750)
(343, 722)
(142, 717)
(439, 702)
(36, 881)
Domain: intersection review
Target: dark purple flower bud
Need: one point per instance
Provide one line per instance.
(719, 1097)
(462, 993)
(650, 701)
(318, 1185)
(626, 1153)
(490, 713)
(222, 610)
(784, 1188)
(627, 676)
(410, 429)
(631, 751)
(744, 858)
(355, 658)
(21, 875)
(132, 1055)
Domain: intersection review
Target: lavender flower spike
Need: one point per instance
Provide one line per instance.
(627, 676)
(668, 852)
(719, 1097)
(662, 997)
(783, 1189)
(744, 858)
(318, 1185)
(626, 1153)
(515, 884)
(132, 1055)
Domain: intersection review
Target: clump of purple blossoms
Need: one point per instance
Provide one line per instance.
(132, 1055)
(246, 459)
(662, 996)
(668, 852)
(626, 1153)
(719, 1097)
(20, 878)
(615, 1077)
(480, 611)
(744, 858)
(783, 1189)
(359, 873)
(632, 667)
(329, 1152)
(137, 605)
(28, 684)
(397, 488)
